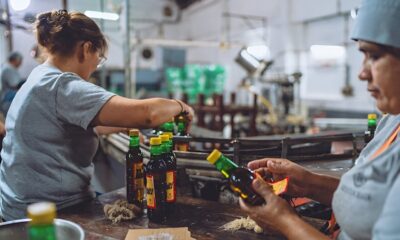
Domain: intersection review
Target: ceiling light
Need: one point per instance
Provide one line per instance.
(19, 5)
(102, 15)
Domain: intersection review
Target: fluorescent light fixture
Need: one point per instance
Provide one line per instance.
(19, 5)
(102, 15)
(327, 52)
(259, 51)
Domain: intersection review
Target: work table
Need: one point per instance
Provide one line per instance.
(203, 218)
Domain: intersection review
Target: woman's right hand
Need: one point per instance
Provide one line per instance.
(278, 169)
(188, 110)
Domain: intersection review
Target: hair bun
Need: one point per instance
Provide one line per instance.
(44, 20)
(59, 32)
(61, 17)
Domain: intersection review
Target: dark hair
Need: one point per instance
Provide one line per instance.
(60, 32)
(14, 56)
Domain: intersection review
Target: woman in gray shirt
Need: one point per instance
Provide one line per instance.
(366, 199)
(50, 142)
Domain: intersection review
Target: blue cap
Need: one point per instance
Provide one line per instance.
(378, 21)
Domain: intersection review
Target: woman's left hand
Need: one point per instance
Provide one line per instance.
(273, 213)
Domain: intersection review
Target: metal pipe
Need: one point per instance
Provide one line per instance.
(127, 53)
(8, 28)
(65, 4)
(102, 69)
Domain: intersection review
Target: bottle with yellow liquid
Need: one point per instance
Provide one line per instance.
(134, 171)
(182, 131)
(156, 183)
(170, 160)
(167, 127)
(372, 122)
(41, 227)
(240, 178)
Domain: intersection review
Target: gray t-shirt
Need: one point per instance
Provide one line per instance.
(48, 149)
(367, 201)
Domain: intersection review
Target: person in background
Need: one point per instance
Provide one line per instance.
(50, 128)
(366, 199)
(10, 80)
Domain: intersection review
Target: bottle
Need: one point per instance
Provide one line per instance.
(369, 134)
(170, 161)
(134, 171)
(182, 146)
(41, 227)
(167, 127)
(240, 178)
(155, 183)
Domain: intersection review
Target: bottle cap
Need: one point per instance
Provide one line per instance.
(133, 133)
(170, 135)
(42, 212)
(164, 138)
(371, 116)
(155, 141)
(214, 156)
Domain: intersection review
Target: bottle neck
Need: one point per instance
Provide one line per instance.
(165, 147)
(134, 142)
(371, 123)
(170, 145)
(167, 127)
(155, 150)
(225, 166)
(181, 128)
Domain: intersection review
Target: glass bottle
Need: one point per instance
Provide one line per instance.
(171, 174)
(41, 227)
(240, 178)
(155, 183)
(134, 171)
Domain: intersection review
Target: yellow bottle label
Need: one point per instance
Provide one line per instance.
(183, 147)
(151, 196)
(137, 170)
(171, 186)
(280, 187)
(138, 181)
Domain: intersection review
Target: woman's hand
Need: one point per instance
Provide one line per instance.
(189, 110)
(277, 213)
(188, 114)
(277, 169)
(272, 214)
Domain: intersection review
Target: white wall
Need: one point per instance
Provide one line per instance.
(329, 23)
(293, 26)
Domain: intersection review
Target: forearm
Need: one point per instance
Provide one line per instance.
(294, 227)
(162, 110)
(130, 113)
(321, 188)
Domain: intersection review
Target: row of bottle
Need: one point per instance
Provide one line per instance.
(177, 127)
(241, 178)
(158, 177)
